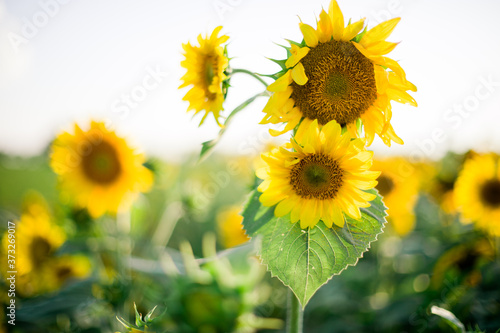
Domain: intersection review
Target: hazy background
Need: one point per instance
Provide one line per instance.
(62, 61)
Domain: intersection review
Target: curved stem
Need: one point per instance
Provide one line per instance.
(252, 74)
(209, 145)
(294, 314)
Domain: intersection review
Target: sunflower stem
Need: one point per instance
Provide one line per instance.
(294, 314)
(208, 146)
(252, 74)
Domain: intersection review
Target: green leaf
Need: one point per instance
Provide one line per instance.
(305, 259)
(257, 214)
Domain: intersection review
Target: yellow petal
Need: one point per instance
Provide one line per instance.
(337, 20)
(269, 198)
(299, 74)
(381, 48)
(381, 79)
(352, 210)
(276, 133)
(281, 83)
(391, 134)
(352, 30)
(400, 96)
(337, 216)
(394, 66)
(324, 27)
(295, 214)
(379, 32)
(309, 215)
(297, 54)
(361, 49)
(310, 36)
(284, 207)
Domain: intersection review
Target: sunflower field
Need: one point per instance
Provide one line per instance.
(320, 220)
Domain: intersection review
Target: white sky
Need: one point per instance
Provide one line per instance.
(77, 64)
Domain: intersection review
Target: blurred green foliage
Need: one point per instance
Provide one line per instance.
(442, 262)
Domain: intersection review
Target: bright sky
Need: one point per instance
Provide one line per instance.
(63, 61)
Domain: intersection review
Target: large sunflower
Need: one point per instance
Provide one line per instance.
(400, 191)
(477, 192)
(340, 73)
(206, 67)
(98, 170)
(323, 178)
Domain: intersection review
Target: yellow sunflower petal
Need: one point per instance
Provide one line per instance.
(297, 54)
(299, 74)
(352, 30)
(380, 32)
(284, 207)
(324, 27)
(310, 35)
(282, 83)
(337, 20)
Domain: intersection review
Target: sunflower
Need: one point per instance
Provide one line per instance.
(60, 270)
(340, 73)
(98, 170)
(230, 228)
(477, 192)
(400, 187)
(323, 178)
(37, 238)
(206, 67)
(466, 259)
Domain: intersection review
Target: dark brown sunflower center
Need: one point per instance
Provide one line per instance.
(63, 273)
(385, 185)
(490, 193)
(341, 83)
(40, 249)
(316, 176)
(102, 165)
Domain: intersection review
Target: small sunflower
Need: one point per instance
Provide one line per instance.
(60, 270)
(441, 181)
(230, 228)
(37, 238)
(477, 192)
(340, 73)
(98, 170)
(206, 67)
(323, 178)
(466, 259)
(400, 191)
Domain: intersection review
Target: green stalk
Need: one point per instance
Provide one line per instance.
(252, 74)
(294, 314)
(207, 146)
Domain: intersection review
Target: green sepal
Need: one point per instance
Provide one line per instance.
(138, 317)
(226, 84)
(358, 37)
(281, 63)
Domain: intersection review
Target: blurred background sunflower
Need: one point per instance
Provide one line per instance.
(110, 228)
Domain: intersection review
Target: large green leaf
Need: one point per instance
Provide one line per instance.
(305, 259)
